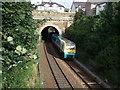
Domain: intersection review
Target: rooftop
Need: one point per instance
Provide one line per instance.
(50, 3)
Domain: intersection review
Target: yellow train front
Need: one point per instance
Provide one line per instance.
(66, 47)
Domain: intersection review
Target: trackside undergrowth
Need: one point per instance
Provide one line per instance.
(97, 39)
(19, 41)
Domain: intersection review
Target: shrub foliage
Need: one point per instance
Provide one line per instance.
(97, 39)
(18, 41)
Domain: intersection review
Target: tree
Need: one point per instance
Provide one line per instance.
(66, 10)
(97, 39)
(79, 14)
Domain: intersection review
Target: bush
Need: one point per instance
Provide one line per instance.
(97, 39)
(18, 42)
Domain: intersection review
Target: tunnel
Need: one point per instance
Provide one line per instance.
(47, 32)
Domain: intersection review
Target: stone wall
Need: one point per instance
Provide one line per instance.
(56, 15)
(60, 21)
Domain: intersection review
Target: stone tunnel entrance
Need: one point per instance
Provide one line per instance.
(47, 32)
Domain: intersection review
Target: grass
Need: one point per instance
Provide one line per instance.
(37, 83)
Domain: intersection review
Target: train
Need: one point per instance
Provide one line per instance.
(66, 47)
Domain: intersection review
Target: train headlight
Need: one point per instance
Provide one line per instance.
(71, 51)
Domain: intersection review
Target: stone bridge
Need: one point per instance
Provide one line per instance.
(59, 21)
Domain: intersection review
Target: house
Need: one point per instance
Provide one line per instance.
(50, 6)
(93, 7)
(100, 7)
(90, 7)
(77, 5)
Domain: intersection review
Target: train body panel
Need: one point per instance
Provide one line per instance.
(65, 46)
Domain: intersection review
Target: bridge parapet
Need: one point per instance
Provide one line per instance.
(53, 16)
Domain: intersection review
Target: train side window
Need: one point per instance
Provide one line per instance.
(57, 41)
(62, 45)
(54, 39)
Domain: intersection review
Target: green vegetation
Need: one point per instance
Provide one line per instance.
(66, 10)
(22, 76)
(19, 42)
(38, 22)
(51, 29)
(37, 83)
(97, 39)
(78, 15)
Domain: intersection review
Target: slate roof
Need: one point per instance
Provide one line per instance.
(76, 4)
(82, 4)
(50, 3)
(97, 1)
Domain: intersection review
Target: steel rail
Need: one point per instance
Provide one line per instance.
(63, 73)
(96, 78)
(79, 76)
(57, 81)
(51, 67)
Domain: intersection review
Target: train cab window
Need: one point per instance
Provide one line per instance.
(70, 47)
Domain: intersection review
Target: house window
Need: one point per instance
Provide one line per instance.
(39, 7)
(76, 9)
(60, 8)
(79, 7)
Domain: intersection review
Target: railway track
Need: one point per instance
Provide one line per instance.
(89, 82)
(62, 79)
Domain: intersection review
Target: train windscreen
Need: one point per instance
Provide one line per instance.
(70, 47)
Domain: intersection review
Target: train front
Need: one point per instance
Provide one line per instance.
(70, 50)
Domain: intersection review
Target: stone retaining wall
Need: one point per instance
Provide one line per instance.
(51, 14)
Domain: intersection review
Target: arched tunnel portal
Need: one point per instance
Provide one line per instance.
(47, 31)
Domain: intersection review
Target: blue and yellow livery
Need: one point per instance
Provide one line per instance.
(66, 47)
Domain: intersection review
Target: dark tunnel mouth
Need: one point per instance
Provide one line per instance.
(46, 34)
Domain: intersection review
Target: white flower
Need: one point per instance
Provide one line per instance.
(23, 51)
(18, 48)
(8, 62)
(14, 65)
(11, 42)
(33, 56)
(16, 29)
(5, 36)
(10, 67)
(26, 67)
(9, 39)
(17, 52)
(19, 61)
